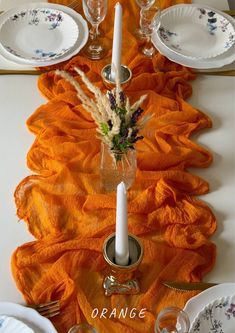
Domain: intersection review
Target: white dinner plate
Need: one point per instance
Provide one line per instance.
(218, 61)
(38, 34)
(27, 316)
(80, 42)
(196, 32)
(196, 304)
(13, 325)
(218, 316)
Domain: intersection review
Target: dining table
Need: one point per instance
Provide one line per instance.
(212, 94)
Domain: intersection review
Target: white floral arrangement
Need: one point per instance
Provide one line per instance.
(118, 122)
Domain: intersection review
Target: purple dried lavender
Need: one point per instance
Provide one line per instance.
(125, 132)
(134, 132)
(138, 138)
(112, 101)
(135, 116)
(109, 122)
(122, 97)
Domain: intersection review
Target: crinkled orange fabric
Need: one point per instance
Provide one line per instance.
(69, 215)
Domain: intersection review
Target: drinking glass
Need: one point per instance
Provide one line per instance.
(116, 167)
(172, 320)
(149, 22)
(95, 12)
(82, 328)
(143, 4)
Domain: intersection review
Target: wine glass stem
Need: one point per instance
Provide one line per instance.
(94, 31)
(148, 43)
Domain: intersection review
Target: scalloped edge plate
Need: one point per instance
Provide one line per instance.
(81, 41)
(39, 34)
(196, 32)
(217, 316)
(198, 302)
(219, 61)
(28, 316)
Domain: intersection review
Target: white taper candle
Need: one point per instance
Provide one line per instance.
(117, 42)
(121, 238)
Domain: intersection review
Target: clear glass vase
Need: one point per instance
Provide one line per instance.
(116, 167)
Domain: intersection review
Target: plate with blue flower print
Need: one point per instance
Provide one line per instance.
(216, 317)
(13, 325)
(196, 32)
(38, 34)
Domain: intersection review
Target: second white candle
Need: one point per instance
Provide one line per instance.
(121, 238)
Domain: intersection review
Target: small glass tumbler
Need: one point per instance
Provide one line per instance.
(172, 320)
(82, 328)
(116, 167)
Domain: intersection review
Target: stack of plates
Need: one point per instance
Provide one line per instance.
(195, 36)
(40, 34)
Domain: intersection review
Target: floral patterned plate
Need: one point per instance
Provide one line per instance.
(217, 317)
(12, 325)
(196, 32)
(38, 34)
(79, 44)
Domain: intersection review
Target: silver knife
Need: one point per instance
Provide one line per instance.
(188, 286)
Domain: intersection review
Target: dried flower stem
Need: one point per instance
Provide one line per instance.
(117, 121)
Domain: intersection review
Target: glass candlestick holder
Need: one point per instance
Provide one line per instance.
(122, 279)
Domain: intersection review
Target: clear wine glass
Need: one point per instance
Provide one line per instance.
(95, 12)
(149, 22)
(82, 328)
(143, 4)
(172, 320)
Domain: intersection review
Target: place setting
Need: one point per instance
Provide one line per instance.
(41, 34)
(196, 36)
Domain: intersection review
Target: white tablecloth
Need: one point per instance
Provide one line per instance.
(215, 95)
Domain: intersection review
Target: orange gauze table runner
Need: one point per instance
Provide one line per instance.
(70, 216)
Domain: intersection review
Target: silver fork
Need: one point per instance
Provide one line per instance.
(48, 309)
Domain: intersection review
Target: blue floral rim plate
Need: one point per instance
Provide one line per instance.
(216, 317)
(196, 32)
(38, 34)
